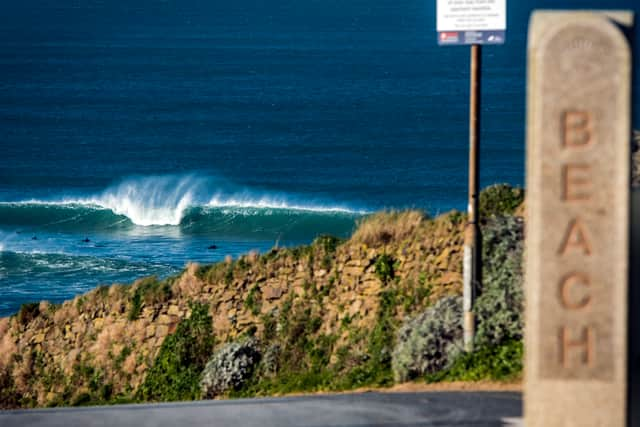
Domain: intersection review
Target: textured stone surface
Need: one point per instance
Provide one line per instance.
(98, 334)
(634, 315)
(578, 219)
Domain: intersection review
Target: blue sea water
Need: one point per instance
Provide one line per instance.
(136, 134)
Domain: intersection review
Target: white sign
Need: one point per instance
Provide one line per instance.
(471, 21)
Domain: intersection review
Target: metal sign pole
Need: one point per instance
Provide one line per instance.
(479, 22)
(472, 273)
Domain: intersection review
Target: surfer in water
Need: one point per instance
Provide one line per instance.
(86, 240)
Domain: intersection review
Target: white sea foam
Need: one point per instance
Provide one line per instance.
(164, 200)
(156, 200)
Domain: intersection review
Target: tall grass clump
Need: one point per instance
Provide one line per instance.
(391, 226)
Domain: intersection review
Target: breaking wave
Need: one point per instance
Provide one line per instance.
(194, 204)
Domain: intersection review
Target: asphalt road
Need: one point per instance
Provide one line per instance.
(473, 409)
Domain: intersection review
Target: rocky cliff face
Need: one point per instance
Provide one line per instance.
(104, 341)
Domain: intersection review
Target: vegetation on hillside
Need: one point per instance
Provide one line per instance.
(379, 308)
(178, 366)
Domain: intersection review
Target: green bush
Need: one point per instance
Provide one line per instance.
(499, 308)
(253, 302)
(229, 368)
(270, 363)
(498, 363)
(499, 199)
(429, 341)
(381, 340)
(135, 308)
(175, 374)
(384, 268)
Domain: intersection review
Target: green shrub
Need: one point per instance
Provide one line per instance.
(375, 367)
(499, 308)
(28, 312)
(253, 302)
(229, 368)
(499, 199)
(384, 268)
(135, 308)
(429, 341)
(498, 363)
(298, 356)
(175, 374)
(270, 363)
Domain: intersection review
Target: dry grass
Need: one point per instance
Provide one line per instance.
(111, 334)
(70, 360)
(390, 226)
(44, 306)
(188, 285)
(4, 326)
(7, 345)
(68, 311)
(129, 366)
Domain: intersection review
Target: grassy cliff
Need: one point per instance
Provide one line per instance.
(375, 309)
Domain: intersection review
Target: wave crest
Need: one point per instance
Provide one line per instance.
(155, 200)
(185, 201)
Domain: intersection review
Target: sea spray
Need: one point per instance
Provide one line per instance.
(179, 200)
(153, 200)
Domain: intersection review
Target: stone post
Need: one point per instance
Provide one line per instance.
(634, 313)
(577, 245)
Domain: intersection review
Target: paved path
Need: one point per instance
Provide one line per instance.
(472, 409)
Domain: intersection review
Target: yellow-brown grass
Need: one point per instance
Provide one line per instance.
(111, 334)
(7, 346)
(129, 366)
(188, 284)
(388, 226)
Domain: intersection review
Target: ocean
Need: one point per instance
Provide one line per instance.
(137, 136)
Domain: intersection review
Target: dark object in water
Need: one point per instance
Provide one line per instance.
(86, 240)
(34, 238)
(212, 247)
